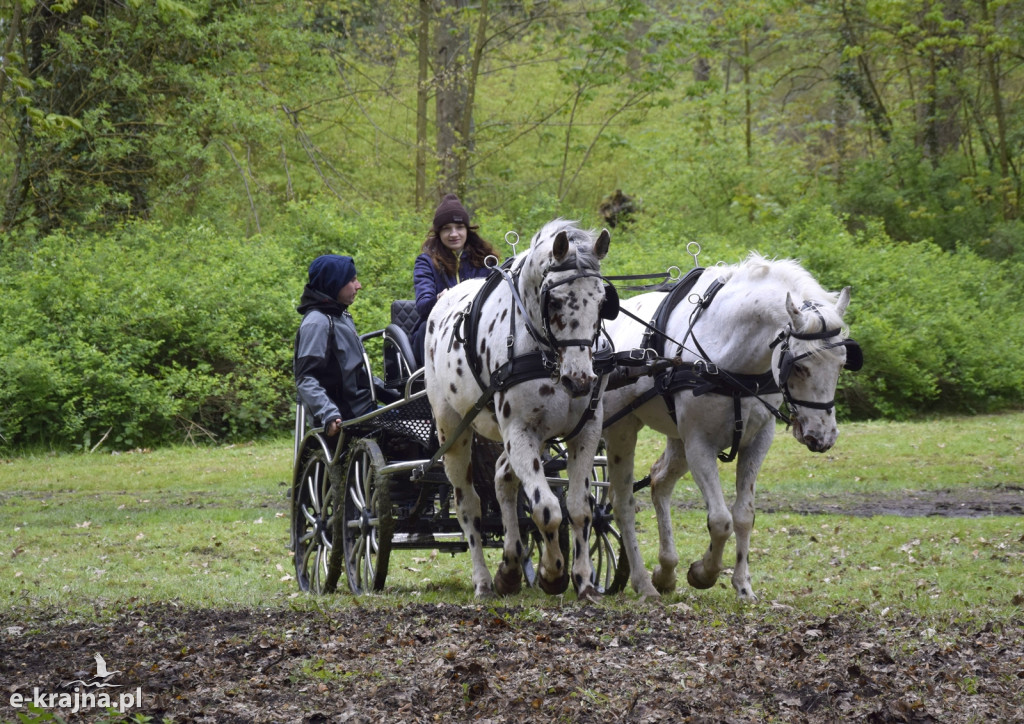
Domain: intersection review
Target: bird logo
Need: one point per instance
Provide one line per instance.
(100, 681)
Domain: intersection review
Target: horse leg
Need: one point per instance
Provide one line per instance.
(458, 468)
(620, 439)
(748, 465)
(522, 449)
(509, 577)
(702, 458)
(664, 474)
(582, 449)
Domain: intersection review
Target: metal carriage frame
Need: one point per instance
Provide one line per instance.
(373, 490)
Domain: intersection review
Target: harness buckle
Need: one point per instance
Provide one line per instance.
(781, 337)
(457, 331)
(703, 366)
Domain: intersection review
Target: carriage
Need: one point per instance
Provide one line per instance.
(381, 486)
(373, 490)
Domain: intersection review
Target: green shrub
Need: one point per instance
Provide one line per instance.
(940, 331)
(152, 335)
(144, 336)
(950, 203)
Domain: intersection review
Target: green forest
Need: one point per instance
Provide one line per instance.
(169, 168)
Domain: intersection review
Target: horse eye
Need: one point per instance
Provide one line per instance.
(555, 305)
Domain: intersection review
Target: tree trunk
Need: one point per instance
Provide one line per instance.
(15, 188)
(450, 41)
(422, 94)
(465, 147)
(1009, 196)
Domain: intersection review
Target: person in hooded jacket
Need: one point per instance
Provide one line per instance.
(331, 379)
(453, 252)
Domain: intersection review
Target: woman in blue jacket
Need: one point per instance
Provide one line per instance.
(452, 253)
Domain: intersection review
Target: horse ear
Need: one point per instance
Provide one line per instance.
(791, 309)
(601, 246)
(844, 301)
(561, 246)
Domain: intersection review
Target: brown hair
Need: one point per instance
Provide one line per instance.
(476, 250)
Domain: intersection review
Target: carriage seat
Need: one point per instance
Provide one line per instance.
(399, 360)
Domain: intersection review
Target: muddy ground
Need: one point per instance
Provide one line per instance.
(576, 663)
(960, 503)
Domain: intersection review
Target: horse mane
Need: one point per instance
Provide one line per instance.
(582, 240)
(800, 283)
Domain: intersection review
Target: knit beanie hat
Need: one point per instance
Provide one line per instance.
(450, 211)
(330, 272)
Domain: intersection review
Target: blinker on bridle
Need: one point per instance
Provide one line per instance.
(787, 360)
(608, 310)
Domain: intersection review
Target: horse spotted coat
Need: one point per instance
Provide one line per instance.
(558, 283)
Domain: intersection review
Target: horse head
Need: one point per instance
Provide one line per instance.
(807, 358)
(561, 285)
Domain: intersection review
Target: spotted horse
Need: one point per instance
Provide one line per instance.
(747, 337)
(511, 358)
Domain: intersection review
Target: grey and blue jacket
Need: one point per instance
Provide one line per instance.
(330, 375)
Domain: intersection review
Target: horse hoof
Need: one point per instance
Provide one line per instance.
(590, 594)
(664, 581)
(696, 580)
(507, 582)
(555, 587)
(746, 595)
(484, 593)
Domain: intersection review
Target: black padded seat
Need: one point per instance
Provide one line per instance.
(404, 314)
(399, 359)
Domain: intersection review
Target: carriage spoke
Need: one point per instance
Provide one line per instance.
(314, 493)
(309, 514)
(365, 547)
(322, 556)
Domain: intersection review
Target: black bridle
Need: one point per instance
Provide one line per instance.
(548, 339)
(787, 360)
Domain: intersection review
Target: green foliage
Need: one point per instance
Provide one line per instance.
(293, 126)
(144, 336)
(945, 203)
(940, 331)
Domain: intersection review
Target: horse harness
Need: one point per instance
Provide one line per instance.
(702, 376)
(534, 365)
(705, 377)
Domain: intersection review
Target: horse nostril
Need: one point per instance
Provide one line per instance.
(574, 388)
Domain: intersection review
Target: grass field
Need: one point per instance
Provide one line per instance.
(93, 534)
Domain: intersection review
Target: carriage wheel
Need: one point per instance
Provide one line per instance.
(365, 524)
(312, 525)
(611, 567)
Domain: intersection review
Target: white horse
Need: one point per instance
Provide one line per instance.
(523, 344)
(749, 335)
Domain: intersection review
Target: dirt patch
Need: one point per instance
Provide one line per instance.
(957, 503)
(425, 663)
